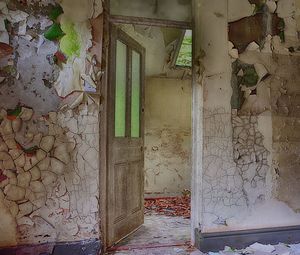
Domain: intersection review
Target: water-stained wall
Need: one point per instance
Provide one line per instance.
(49, 131)
(167, 136)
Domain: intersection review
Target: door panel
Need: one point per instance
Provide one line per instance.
(135, 187)
(125, 139)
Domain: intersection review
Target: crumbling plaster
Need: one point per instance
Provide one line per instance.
(49, 131)
(250, 146)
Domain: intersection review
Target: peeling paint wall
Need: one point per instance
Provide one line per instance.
(250, 82)
(167, 136)
(49, 129)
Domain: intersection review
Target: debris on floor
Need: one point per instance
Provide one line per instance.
(254, 249)
(170, 206)
(160, 234)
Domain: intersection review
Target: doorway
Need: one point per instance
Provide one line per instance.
(165, 139)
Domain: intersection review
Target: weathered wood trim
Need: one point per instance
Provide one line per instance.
(213, 242)
(103, 126)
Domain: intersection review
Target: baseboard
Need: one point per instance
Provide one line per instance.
(213, 242)
(85, 247)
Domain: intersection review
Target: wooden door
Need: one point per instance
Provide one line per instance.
(125, 201)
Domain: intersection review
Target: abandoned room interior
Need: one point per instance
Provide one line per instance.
(149, 127)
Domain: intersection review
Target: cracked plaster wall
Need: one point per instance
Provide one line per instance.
(167, 136)
(49, 151)
(250, 155)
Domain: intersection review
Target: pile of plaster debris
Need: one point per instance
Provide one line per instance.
(170, 206)
(261, 249)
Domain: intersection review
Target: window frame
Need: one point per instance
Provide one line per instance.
(177, 51)
(131, 45)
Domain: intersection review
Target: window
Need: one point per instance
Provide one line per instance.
(121, 79)
(128, 88)
(184, 57)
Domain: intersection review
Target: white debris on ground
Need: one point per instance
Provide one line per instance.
(262, 249)
(254, 249)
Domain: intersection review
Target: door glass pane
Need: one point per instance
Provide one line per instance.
(135, 94)
(120, 96)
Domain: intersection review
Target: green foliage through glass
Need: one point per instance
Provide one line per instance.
(185, 54)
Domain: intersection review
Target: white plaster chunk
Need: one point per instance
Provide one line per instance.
(44, 164)
(37, 139)
(272, 6)
(8, 164)
(24, 179)
(13, 207)
(234, 53)
(47, 143)
(53, 117)
(25, 209)
(267, 48)
(3, 146)
(69, 78)
(91, 157)
(98, 8)
(28, 165)
(33, 160)
(4, 156)
(261, 247)
(4, 183)
(290, 29)
(278, 46)
(15, 153)
(239, 9)
(20, 161)
(57, 166)
(62, 154)
(35, 173)
(16, 125)
(40, 155)
(11, 176)
(71, 145)
(48, 178)
(37, 187)
(26, 114)
(22, 28)
(71, 228)
(261, 70)
(39, 199)
(94, 205)
(6, 127)
(25, 221)
(14, 193)
(61, 188)
(11, 143)
(17, 16)
(64, 202)
(285, 8)
(72, 125)
(253, 46)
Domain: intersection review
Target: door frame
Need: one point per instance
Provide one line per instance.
(104, 118)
